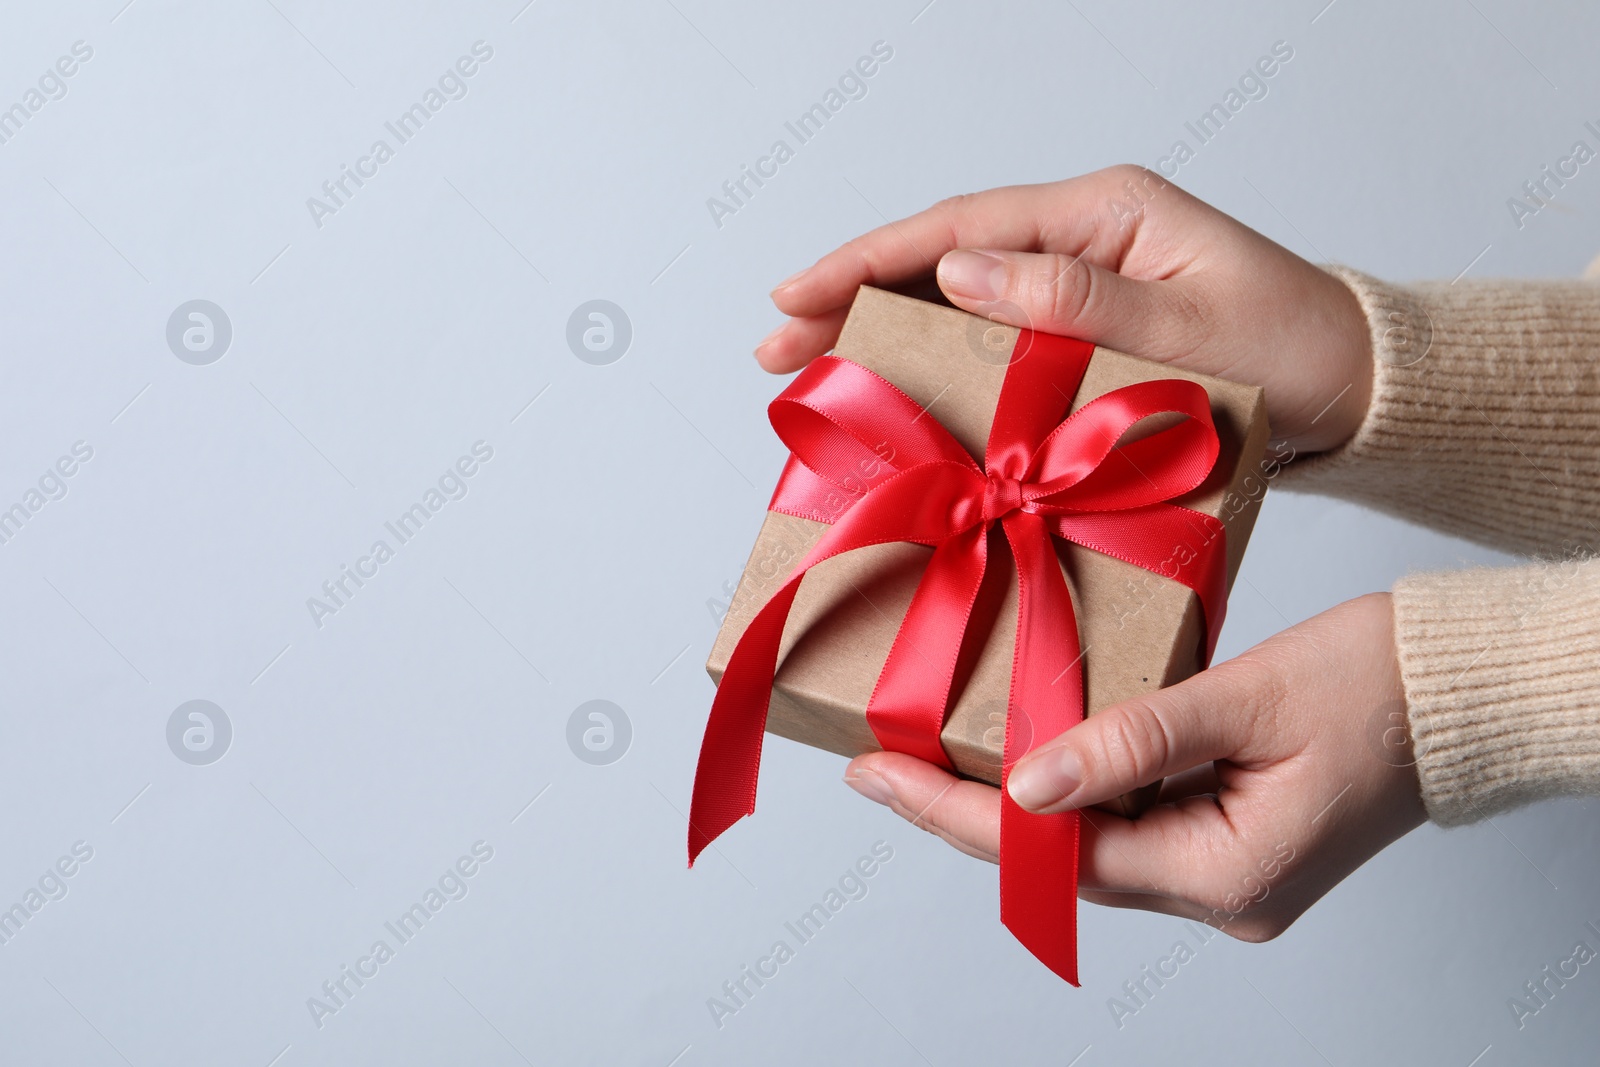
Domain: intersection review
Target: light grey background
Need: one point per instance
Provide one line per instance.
(368, 354)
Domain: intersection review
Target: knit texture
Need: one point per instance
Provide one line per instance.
(1502, 677)
(1485, 414)
(1485, 423)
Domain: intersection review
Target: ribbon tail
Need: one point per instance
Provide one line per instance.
(1039, 853)
(730, 756)
(907, 708)
(918, 505)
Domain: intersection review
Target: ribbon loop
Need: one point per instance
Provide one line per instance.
(1081, 467)
(852, 427)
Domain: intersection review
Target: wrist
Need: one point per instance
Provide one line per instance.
(1358, 341)
(1365, 327)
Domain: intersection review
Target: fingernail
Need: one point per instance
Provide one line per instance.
(790, 280)
(771, 337)
(870, 785)
(971, 274)
(1046, 779)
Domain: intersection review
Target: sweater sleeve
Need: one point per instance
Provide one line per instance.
(1485, 413)
(1501, 668)
(1485, 422)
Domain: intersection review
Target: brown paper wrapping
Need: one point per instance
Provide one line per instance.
(1139, 631)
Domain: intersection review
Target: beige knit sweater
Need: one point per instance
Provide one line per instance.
(1485, 423)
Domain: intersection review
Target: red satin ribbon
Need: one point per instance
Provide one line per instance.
(878, 468)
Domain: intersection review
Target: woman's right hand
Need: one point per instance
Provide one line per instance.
(1124, 259)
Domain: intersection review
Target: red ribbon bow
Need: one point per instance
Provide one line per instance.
(875, 466)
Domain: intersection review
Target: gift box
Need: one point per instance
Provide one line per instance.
(1139, 631)
(944, 466)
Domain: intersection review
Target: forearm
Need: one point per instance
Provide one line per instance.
(1485, 413)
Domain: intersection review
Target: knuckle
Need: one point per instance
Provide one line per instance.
(953, 212)
(1154, 181)
(858, 252)
(944, 819)
(933, 816)
(1192, 318)
(961, 218)
(1241, 901)
(1126, 172)
(926, 820)
(1135, 744)
(1256, 929)
(1132, 178)
(1069, 293)
(1258, 689)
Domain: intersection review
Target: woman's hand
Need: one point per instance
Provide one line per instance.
(1287, 768)
(1127, 260)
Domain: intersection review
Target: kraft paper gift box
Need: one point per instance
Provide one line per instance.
(1139, 631)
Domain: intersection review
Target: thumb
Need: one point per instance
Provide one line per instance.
(1060, 294)
(1132, 744)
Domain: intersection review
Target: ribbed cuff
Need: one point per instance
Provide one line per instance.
(1502, 681)
(1402, 333)
(1485, 413)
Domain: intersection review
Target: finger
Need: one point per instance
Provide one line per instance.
(1114, 859)
(1156, 863)
(1171, 851)
(1208, 717)
(966, 814)
(1078, 216)
(1070, 295)
(1181, 909)
(1152, 856)
(799, 341)
(1137, 901)
(1214, 866)
(897, 252)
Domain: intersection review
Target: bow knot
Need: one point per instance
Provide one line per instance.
(1001, 496)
